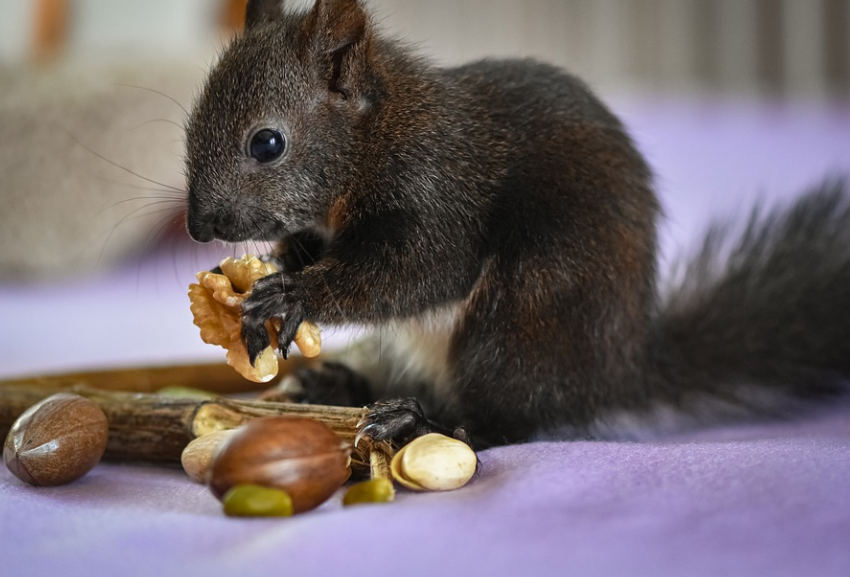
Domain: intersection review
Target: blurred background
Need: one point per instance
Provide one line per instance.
(731, 101)
(782, 48)
(94, 92)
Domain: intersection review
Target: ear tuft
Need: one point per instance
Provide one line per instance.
(258, 11)
(337, 24)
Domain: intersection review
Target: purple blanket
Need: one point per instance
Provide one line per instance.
(760, 500)
(748, 499)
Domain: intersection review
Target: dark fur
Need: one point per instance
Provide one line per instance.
(506, 190)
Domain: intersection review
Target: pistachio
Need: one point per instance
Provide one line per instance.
(57, 440)
(249, 500)
(372, 491)
(301, 456)
(197, 456)
(434, 462)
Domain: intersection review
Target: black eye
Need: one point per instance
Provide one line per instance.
(267, 145)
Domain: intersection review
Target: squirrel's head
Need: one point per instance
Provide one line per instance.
(273, 137)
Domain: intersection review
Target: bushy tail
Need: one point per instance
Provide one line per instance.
(765, 313)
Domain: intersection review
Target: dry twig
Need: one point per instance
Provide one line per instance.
(149, 427)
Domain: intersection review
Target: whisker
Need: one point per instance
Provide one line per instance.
(169, 192)
(155, 234)
(132, 215)
(150, 240)
(124, 168)
(153, 201)
(252, 226)
(166, 120)
(163, 193)
(155, 91)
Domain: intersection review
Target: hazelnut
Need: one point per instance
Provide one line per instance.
(301, 456)
(57, 440)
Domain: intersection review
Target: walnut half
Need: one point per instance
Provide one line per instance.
(216, 304)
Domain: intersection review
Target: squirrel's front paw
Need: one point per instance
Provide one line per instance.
(400, 421)
(274, 296)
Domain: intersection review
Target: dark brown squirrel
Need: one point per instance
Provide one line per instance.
(496, 226)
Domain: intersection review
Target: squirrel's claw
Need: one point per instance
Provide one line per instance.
(288, 328)
(397, 420)
(272, 297)
(255, 338)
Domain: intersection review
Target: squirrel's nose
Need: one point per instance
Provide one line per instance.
(200, 231)
(200, 222)
(205, 226)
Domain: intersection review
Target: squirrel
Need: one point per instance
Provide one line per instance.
(496, 226)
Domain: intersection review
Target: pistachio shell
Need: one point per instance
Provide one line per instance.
(398, 473)
(197, 456)
(434, 462)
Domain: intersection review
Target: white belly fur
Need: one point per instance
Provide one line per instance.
(404, 357)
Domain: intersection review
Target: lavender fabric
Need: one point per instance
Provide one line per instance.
(758, 500)
(769, 498)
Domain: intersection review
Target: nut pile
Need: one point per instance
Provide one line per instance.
(273, 465)
(216, 304)
(277, 466)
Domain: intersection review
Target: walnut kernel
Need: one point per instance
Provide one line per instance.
(216, 304)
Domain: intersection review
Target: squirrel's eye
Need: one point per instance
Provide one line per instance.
(267, 145)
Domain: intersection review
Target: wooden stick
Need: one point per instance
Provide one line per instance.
(214, 377)
(380, 456)
(150, 427)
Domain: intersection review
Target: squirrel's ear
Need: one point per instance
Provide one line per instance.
(335, 25)
(338, 31)
(261, 10)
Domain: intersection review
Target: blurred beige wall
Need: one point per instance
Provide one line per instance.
(761, 46)
(766, 46)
